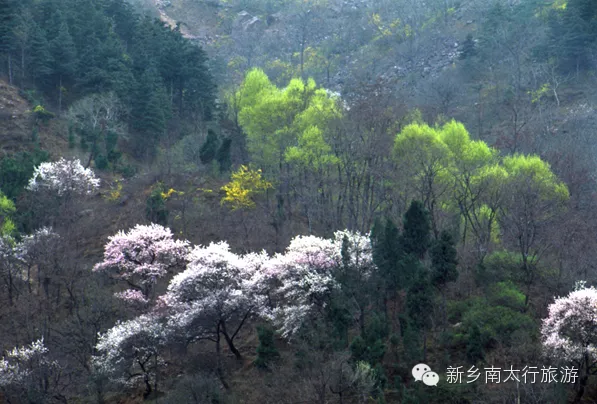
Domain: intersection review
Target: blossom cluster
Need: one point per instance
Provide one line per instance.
(217, 290)
(64, 176)
(568, 332)
(20, 363)
(306, 275)
(37, 245)
(216, 285)
(141, 256)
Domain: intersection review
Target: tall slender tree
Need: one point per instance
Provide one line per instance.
(64, 55)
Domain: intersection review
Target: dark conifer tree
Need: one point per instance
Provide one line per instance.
(474, 345)
(444, 260)
(223, 156)
(416, 235)
(150, 113)
(420, 305)
(209, 148)
(64, 56)
(40, 59)
(266, 350)
(124, 19)
(9, 12)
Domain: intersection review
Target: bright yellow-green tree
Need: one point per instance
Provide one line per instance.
(534, 198)
(245, 184)
(7, 209)
(284, 125)
(288, 136)
(513, 196)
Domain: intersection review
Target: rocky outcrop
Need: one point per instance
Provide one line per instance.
(246, 22)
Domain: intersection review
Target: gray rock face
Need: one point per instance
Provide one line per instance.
(246, 22)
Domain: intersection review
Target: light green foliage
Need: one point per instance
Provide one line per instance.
(500, 265)
(7, 208)
(453, 174)
(312, 150)
(506, 294)
(285, 125)
(535, 175)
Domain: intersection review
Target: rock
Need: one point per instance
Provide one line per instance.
(253, 24)
(246, 22)
(273, 18)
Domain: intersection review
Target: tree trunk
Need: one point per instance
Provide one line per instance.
(219, 360)
(60, 96)
(583, 380)
(9, 68)
(22, 66)
(230, 342)
(10, 295)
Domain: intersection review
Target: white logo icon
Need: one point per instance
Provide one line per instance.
(430, 378)
(419, 370)
(422, 372)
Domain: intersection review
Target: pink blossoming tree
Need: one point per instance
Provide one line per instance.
(140, 257)
(569, 333)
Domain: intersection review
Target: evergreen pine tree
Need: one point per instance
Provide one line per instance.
(474, 345)
(385, 242)
(444, 260)
(40, 59)
(149, 113)
(223, 156)
(420, 305)
(209, 148)
(124, 17)
(266, 350)
(9, 11)
(416, 235)
(64, 56)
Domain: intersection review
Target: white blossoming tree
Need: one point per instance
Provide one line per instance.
(215, 296)
(129, 353)
(569, 333)
(308, 273)
(27, 373)
(140, 257)
(64, 177)
(57, 187)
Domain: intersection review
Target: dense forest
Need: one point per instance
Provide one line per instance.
(298, 201)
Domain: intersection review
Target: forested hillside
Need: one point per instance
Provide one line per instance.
(298, 201)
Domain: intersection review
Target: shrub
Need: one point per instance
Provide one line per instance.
(266, 351)
(42, 114)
